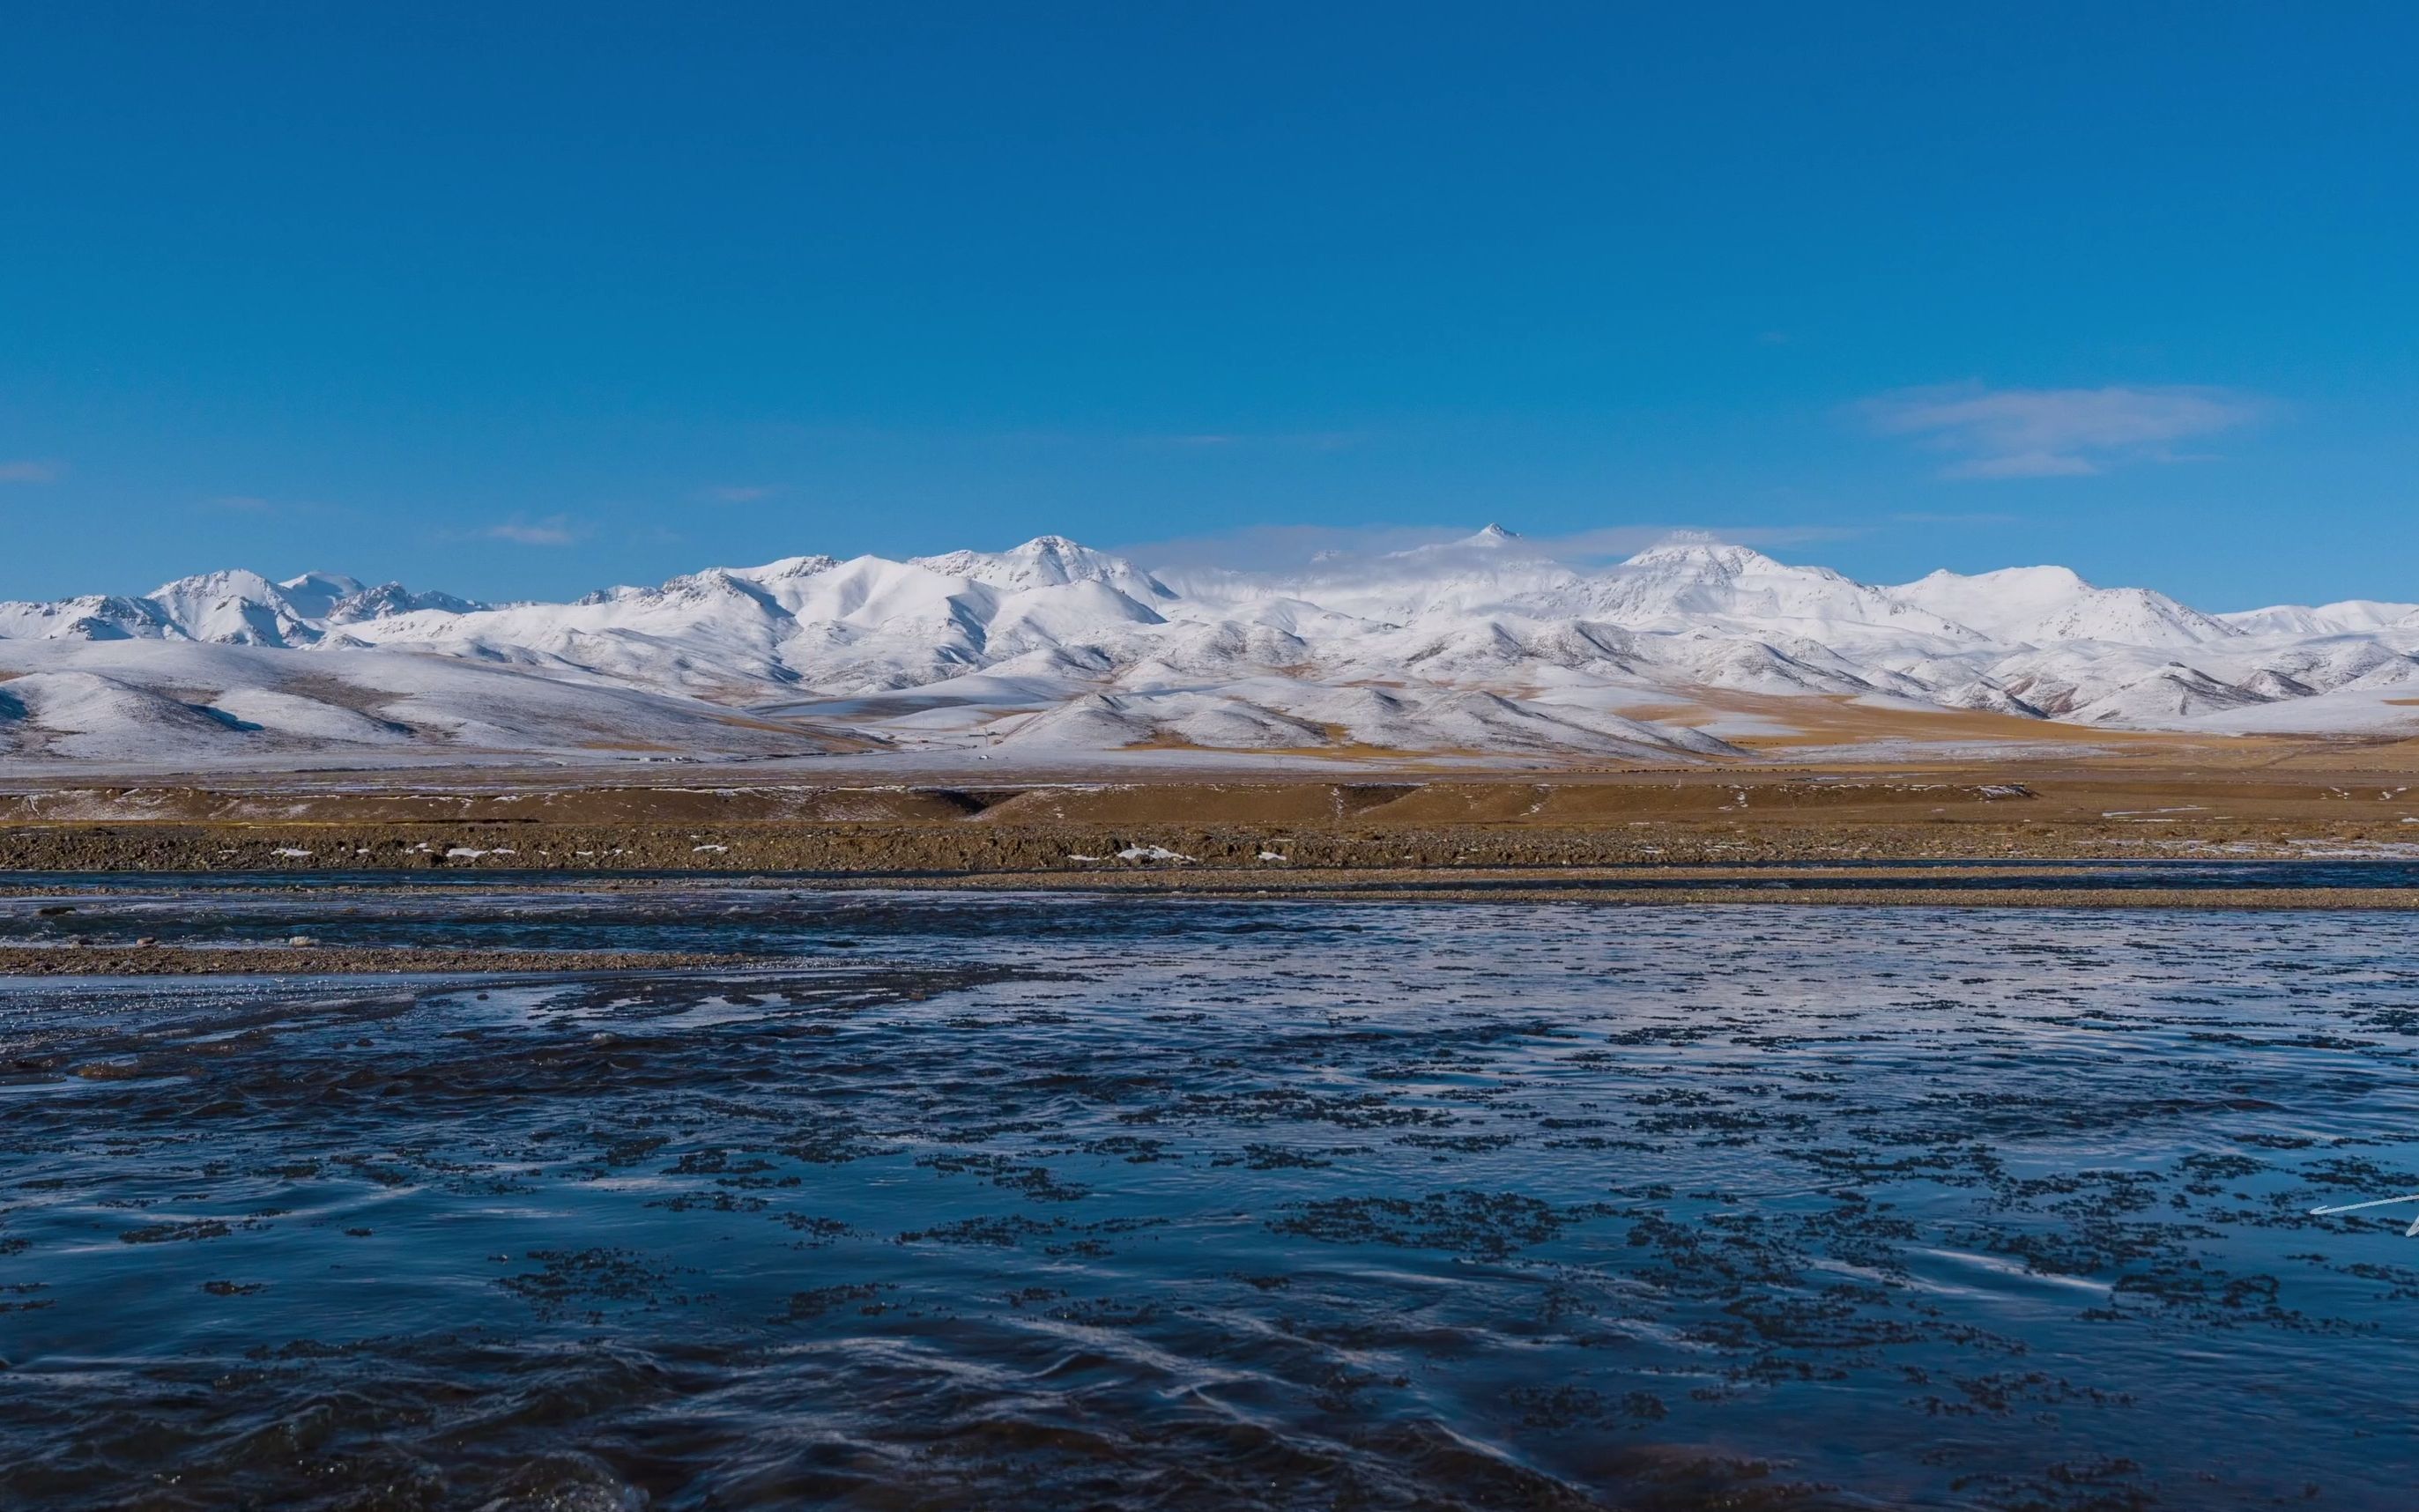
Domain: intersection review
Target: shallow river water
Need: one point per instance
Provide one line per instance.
(1007, 1200)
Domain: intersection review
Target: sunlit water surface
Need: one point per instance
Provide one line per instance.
(980, 1201)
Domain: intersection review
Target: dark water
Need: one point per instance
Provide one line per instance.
(985, 1201)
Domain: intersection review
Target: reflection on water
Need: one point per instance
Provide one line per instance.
(980, 1201)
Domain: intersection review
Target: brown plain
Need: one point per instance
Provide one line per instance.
(1813, 797)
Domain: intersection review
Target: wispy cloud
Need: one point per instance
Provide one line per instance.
(739, 493)
(27, 469)
(1612, 541)
(1307, 440)
(1927, 517)
(242, 503)
(2025, 465)
(2056, 433)
(1269, 548)
(554, 530)
(1334, 549)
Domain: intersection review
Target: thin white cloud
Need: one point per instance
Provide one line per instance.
(1628, 540)
(1220, 441)
(27, 469)
(1270, 547)
(739, 493)
(2056, 433)
(2024, 465)
(1927, 517)
(555, 530)
(1332, 549)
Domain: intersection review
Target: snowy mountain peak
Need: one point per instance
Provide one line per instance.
(234, 606)
(387, 601)
(1702, 579)
(228, 607)
(233, 582)
(2045, 579)
(1485, 642)
(314, 594)
(2041, 606)
(1702, 554)
(786, 570)
(1046, 562)
(2352, 616)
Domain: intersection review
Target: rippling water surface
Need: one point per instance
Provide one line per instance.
(978, 1201)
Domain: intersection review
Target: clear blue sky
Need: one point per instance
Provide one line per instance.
(516, 300)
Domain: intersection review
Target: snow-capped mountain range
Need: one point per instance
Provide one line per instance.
(1478, 646)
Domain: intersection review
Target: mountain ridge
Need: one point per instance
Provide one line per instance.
(1482, 645)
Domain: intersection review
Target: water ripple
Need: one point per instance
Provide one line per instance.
(983, 1200)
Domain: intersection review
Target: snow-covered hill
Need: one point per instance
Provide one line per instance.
(228, 607)
(2039, 605)
(1479, 646)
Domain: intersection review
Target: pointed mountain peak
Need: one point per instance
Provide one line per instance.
(235, 581)
(1045, 562)
(1493, 534)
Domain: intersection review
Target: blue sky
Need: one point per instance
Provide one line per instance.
(518, 300)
